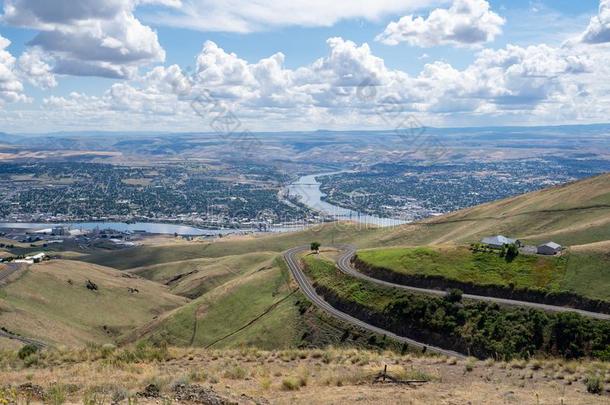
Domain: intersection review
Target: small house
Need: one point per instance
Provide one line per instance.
(499, 241)
(549, 249)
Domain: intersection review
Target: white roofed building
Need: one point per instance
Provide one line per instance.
(499, 241)
(549, 249)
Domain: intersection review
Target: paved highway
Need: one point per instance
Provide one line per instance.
(345, 265)
(293, 260)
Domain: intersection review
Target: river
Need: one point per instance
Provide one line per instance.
(307, 188)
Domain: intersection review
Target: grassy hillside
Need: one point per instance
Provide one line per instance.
(220, 314)
(238, 283)
(584, 272)
(260, 309)
(460, 263)
(476, 328)
(572, 214)
(50, 302)
(193, 278)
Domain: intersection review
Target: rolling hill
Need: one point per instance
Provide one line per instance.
(573, 214)
(224, 270)
(239, 288)
(50, 302)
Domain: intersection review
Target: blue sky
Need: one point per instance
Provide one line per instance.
(109, 64)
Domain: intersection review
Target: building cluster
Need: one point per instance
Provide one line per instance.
(500, 241)
(37, 258)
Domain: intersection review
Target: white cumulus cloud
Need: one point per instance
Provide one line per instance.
(87, 37)
(598, 30)
(11, 88)
(465, 23)
(34, 65)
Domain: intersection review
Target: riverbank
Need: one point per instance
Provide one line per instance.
(307, 191)
(162, 228)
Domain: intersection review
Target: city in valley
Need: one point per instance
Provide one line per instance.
(272, 202)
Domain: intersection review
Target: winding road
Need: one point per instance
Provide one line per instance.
(306, 287)
(345, 265)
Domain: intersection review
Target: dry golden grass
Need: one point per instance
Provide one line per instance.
(302, 376)
(50, 302)
(598, 247)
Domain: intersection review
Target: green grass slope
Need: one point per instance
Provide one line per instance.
(461, 264)
(477, 328)
(257, 309)
(586, 273)
(50, 302)
(193, 278)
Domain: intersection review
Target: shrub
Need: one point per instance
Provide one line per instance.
(454, 295)
(265, 383)
(31, 360)
(27, 351)
(594, 384)
(512, 251)
(57, 394)
(293, 383)
(235, 373)
(107, 350)
(119, 394)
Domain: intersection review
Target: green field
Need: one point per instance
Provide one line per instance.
(460, 263)
(587, 274)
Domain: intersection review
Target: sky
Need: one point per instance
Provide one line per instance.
(274, 65)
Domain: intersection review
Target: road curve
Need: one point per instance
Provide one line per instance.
(306, 287)
(345, 265)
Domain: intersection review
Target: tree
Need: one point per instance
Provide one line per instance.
(315, 247)
(26, 351)
(454, 295)
(512, 251)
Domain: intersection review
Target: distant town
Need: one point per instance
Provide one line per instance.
(192, 194)
(415, 191)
